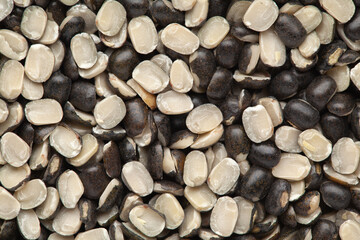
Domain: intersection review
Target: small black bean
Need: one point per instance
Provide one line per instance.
(355, 197)
(72, 27)
(355, 121)
(53, 169)
(162, 122)
(95, 180)
(178, 122)
(136, 117)
(348, 57)
(83, 95)
(57, 11)
(290, 30)
(284, 85)
(237, 143)
(135, 8)
(156, 155)
(69, 67)
(256, 183)
(264, 154)
(334, 127)
(301, 114)
(247, 56)
(42, 133)
(335, 195)
(352, 27)
(58, 87)
(218, 8)
(288, 218)
(277, 199)
(127, 150)
(314, 178)
(265, 226)
(26, 132)
(241, 32)
(231, 110)
(227, 52)
(198, 99)
(111, 159)
(164, 13)
(329, 55)
(87, 213)
(308, 203)
(320, 91)
(112, 134)
(203, 65)
(324, 230)
(341, 104)
(123, 61)
(220, 84)
(303, 78)
(13, 20)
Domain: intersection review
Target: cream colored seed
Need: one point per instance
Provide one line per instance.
(137, 178)
(39, 63)
(33, 22)
(181, 79)
(70, 188)
(29, 224)
(292, 167)
(109, 112)
(147, 220)
(83, 50)
(11, 79)
(309, 16)
(13, 45)
(261, 14)
(14, 149)
(65, 141)
(195, 169)
(31, 194)
(183, 5)
(197, 14)
(168, 205)
(6, 7)
(310, 45)
(10, 206)
(143, 35)
(201, 197)
(98, 68)
(110, 18)
(341, 10)
(174, 103)
(67, 221)
(191, 223)
(43, 112)
(204, 118)
(326, 29)
(32, 90)
(48, 208)
(315, 146)
(224, 216)
(272, 49)
(213, 32)
(345, 156)
(51, 33)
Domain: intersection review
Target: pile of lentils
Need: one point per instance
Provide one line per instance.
(182, 119)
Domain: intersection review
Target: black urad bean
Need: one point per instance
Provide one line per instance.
(127, 149)
(284, 85)
(26, 132)
(314, 178)
(237, 143)
(329, 55)
(334, 127)
(72, 27)
(256, 183)
(135, 8)
(95, 180)
(277, 199)
(178, 122)
(231, 110)
(114, 134)
(288, 218)
(123, 61)
(9, 229)
(335, 195)
(42, 133)
(203, 65)
(58, 87)
(248, 58)
(87, 213)
(156, 155)
(57, 11)
(290, 30)
(355, 197)
(308, 203)
(303, 78)
(341, 104)
(352, 27)
(324, 230)
(264, 154)
(320, 91)
(198, 99)
(220, 84)
(241, 32)
(94, 5)
(162, 122)
(227, 52)
(136, 117)
(69, 67)
(83, 95)
(112, 160)
(218, 8)
(265, 226)
(301, 114)
(348, 57)
(164, 13)
(355, 121)
(53, 169)
(13, 20)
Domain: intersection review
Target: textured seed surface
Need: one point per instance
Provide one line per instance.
(174, 103)
(110, 18)
(65, 141)
(345, 156)
(137, 178)
(224, 216)
(11, 79)
(31, 194)
(213, 32)
(110, 112)
(315, 146)
(33, 23)
(201, 197)
(204, 118)
(143, 35)
(195, 169)
(83, 50)
(260, 15)
(70, 188)
(292, 167)
(43, 112)
(147, 220)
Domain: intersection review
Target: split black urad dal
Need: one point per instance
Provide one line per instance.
(182, 119)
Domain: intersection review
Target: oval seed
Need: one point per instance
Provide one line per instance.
(50, 205)
(143, 35)
(31, 194)
(191, 223)
(195, 16)
(195, 169)
(109, 112)
(315, 146)
(43, 112)
(309, 16)
(272, 49)
(341, 10)
(117, 40)
(183, 5)
(39, 63)
(99, 67)
(286, 139)
(150, 76)
(174, 103)
(277, 200)
(310, 45)
(345, 156)
(341, 75)
(6, 8)
(33, 22)
(13, 45)
(301, 114)
(67, 221)
(137, 178)
(11, 79)
(326, 29)
(10, 206)
(29, 224)
(260, 15)
(213, 32)
(32, 90)
(293, 167)
(168, 205)
(180, 39)
(96, 233)
(335, 195)
(257, 123)
(246, 215)
(110, 18)
(290, 30)
(4, 111)
(14, 177)
(65, 141)
(51, 33)
(83, 50)
(224, 216)
(204, 118)
(70, 188)
(201, 197)
(181, 79)
(147, 220)
(14, 149)
(350, 229)
(342, 104)
(223, 176)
